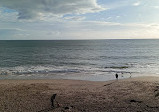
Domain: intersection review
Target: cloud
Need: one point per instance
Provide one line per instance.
(105, 30)
(108, 30)
(7, 16)
(79, 30)
(75, 18)
(10, 29)
(156, 7)
(29, 9)
(137, 3)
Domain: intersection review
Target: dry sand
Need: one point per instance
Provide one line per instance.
(128, 95)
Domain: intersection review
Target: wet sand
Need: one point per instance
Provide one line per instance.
(128, 95)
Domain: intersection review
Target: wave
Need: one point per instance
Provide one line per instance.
(118, 67)
(37, 70)
(128, 57)
(83, 69)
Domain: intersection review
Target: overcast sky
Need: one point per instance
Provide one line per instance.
(78, 19)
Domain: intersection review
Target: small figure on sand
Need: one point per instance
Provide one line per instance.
(116, 75)
(122, 74)
(130, 75)
(52, 100)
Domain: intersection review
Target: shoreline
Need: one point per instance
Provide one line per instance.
(137, 78)
(131, 95)
(77, 76)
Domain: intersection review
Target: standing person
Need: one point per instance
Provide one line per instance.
(52, 100)
(122, 74)
(130, 75)
(116, 75)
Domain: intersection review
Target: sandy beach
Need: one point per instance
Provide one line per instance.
(129, 95)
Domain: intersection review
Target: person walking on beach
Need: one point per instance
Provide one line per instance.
(116, 75)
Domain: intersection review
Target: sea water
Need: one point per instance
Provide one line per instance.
(96, 60)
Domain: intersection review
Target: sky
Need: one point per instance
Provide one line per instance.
(78, 19)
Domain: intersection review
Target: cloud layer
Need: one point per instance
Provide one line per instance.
(78, 19)
(28, 9)
(78, 30)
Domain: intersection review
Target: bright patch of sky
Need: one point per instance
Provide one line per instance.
(78, 19)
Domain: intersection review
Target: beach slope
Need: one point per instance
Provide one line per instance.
(128, 95)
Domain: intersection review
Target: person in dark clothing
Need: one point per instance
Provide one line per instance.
(52, 100)
(116, 75)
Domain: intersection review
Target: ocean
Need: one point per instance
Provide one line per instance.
(95, 60)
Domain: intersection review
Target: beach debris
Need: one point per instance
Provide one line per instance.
(66, 108)
(152, 106)
(157, 86)
(135, 101)
(109, 84)
(157, 91)
(156, 95)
